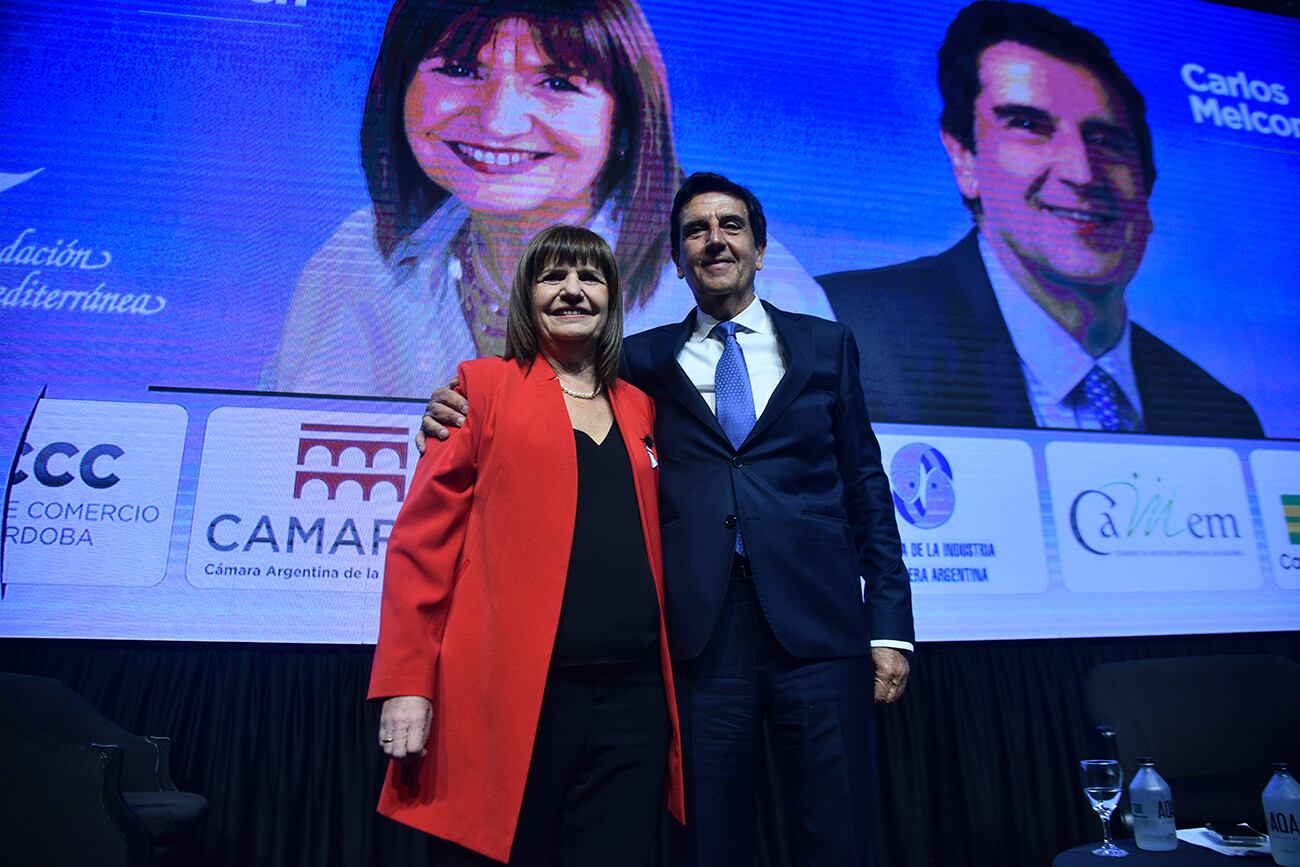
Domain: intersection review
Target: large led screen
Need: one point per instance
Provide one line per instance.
(242, 240)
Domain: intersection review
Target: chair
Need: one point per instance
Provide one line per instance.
(1214, 724)
(79, 790)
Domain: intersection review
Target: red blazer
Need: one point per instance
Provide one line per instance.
(473, 584)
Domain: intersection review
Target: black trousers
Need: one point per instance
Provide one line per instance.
(820, 713)
(595, 788)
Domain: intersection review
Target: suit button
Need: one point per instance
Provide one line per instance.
(737, 463)
(730, 522)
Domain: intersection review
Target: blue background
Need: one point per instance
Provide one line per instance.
(213, 154)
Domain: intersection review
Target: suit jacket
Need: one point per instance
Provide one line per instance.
(473, 585)
(936, 350)
(807, 487)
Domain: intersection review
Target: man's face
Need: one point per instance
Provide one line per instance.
(718, 255)
(1056, 170)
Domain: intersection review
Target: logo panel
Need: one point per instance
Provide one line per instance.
(93, 495)
(1134, 518)
(292, 500)
(962, 505)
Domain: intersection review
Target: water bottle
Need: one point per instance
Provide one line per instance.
(1153, 809)
(1282, 813)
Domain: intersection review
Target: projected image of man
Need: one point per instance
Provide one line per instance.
(1024, 323)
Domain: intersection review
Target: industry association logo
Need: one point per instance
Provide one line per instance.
(923, 489)
(1291, 511)
(336, 440)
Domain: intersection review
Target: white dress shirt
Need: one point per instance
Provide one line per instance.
(1053, 362)
(765, 360)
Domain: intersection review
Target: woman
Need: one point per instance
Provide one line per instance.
(485, 123)
(522, 654)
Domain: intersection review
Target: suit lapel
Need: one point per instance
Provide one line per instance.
(1001, 377)
(796, 339)
(1159, 414)
(675, 381)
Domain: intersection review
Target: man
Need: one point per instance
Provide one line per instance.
(773, 502)
(1024, 322)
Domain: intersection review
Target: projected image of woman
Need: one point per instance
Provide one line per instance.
(484, 123)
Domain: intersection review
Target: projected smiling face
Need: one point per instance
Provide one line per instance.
(508, 131)
(1056, 170)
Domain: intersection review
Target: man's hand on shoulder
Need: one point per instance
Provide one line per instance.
(446, 408)
(892, 669)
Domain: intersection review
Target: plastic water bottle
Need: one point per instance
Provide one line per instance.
(1153, 809)
(1282, 812)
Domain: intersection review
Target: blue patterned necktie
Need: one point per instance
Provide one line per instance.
(1113, 410)
(732, 394)
(731, 389)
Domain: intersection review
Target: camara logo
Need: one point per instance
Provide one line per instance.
(336, 440)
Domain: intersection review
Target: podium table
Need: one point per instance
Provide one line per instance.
(1186, 855)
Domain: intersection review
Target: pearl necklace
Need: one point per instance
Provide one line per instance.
(580, 395)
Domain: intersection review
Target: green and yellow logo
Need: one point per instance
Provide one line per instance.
(1291, 508)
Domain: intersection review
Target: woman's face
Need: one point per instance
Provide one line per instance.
(507, 132)
(570, 304)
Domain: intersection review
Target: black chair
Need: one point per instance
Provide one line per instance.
(1214, 724)
(76, 789)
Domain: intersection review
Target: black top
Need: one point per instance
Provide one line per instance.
(610, 612)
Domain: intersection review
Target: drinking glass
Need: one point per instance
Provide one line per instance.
(1103, 780)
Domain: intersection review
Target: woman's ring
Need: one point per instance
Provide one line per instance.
(387, 740)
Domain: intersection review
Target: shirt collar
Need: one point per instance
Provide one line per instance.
(753, 318)
(1046, 349)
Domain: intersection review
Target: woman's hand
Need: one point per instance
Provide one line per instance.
(404, 726)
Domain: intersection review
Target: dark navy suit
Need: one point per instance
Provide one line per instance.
(792, 642)
(939, 352)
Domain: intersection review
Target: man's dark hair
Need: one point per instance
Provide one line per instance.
(986, 23)
(700, 183)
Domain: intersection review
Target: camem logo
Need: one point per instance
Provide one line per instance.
(1140, 517)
